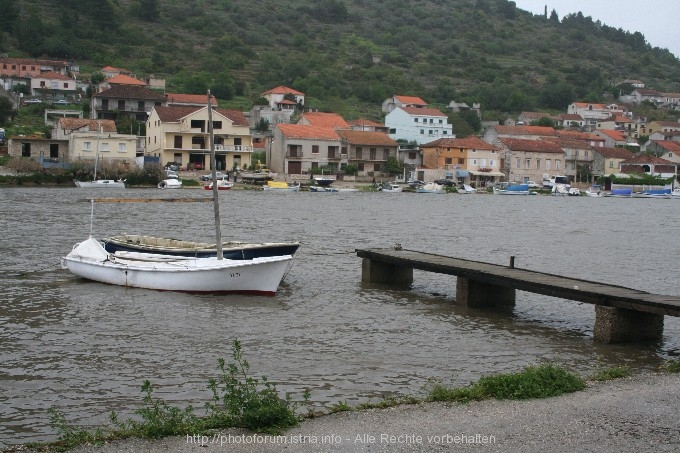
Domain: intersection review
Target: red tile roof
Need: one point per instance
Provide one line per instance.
(130, 92)
(189, 98)
(534, 146)
(668, 145)
(413, 100)
(71, 124)
(323, 119)
(422, 111)
(365, 122)
(614, 135)
(282, 90)
(541, 131)
(122, 79)
(305, 132)
(174, 113)
(52, 76)
(613, 153)
(366, 138)
(465, 143)
(646, 159)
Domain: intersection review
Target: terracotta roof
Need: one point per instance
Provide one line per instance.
(422, 111)
(71, 124)
(283, 90)
(613, 153)
(465, 143)
(324, 119)
(541, 131)
(305, 132)
(174, 113)
(534, 146)
(570, 117)
(122, 79)
(365, 122)
(614, 135)
(414, 100)
(667, 123)
(565, 142)
(578, 135)
(647, 159)
(131, 92)
(52, 75)
(189, 98)
(668, 145)
(367, 138)
(586, 104)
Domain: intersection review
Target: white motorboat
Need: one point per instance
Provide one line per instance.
(594, 192)
(171, 181)
(101, 183)
(390, 187)
(466, 189)
(223, 183)
(430, 187)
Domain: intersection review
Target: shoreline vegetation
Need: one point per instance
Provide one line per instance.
(242, 401)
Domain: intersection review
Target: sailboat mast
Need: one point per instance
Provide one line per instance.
(96, 153)
(216, 202)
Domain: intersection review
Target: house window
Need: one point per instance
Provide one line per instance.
(376, 167)
(557, 164)
(547, 164)
(461, 161)
(197, 124)
(54, 151)
(422, 131)
(140, 106)
(87, 146)
(332, 152)
(474, 161)
(611, 164)
(360, 166)
(431, 120)
(518, 162)
(360, 152)
(441, 121)
(315, 149)
(177, 141)
(538, 164)
(386, 153)
(121, 104)
(393, 130)
(412, 155)
(343, 150)
(66, 86)
(415, 120)
(373, 153)
(482, 162)
(492, 162)
(217, 125)
(448, 160)
(527, 163)
(430, 132)
(122, 147)
(104, 147)
(25, 150)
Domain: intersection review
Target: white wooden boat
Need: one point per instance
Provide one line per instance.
(594, 192)
(467, 189)
(222, 184)
(101, 184)
(90, 260)
(171, 181)
(560, 190)
(279, 186)
(430, 187)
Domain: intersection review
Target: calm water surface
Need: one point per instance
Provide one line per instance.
(86, 347)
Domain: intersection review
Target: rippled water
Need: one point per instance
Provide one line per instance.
(86, 347)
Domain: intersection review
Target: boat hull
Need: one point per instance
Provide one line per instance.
(230, 250)
(522, 189)
(101, 184)
(260, 276)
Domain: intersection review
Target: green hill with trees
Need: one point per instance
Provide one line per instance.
(347, 56)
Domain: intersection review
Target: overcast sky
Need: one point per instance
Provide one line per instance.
(656, 19)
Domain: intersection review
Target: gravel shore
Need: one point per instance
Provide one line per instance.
(625, 415)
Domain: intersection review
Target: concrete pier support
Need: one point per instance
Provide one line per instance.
(375, 272)
(619, 325)
(471, 293)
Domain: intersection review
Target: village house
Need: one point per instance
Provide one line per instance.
(667, 149)
(53, 86)
(123, 101)
(369, 151)
(191, 100)
(418, 124)
(663, 126)
(119, 80)
(607, 160)
(362, 124)
(38, 147)
(658, 98)
(464, 160)
(592, 112)
(396, 101)
(79, 132)
(180, 134)
(612, 138)
(531, 160)
(298, 149)
(495, 133)
(590, 138)
(28, 67)
(650, 165)
(283, 102)
(618, 122)
(578, 158)
(279, 98)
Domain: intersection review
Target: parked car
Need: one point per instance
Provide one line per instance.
(32, 101)
(445, 182)
(208, 176)
(533, 185)
(62, 102)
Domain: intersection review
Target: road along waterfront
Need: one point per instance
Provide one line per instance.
(86, 347)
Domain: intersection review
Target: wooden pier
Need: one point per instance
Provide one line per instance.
(621, 314)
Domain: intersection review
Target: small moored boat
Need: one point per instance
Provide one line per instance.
(516, 189)
(390, 187)
(430, 187)
(279, 186)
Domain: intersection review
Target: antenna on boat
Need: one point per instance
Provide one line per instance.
(216, 203)
(91, 214)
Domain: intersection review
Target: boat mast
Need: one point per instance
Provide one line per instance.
(216, 203)
(96, 154)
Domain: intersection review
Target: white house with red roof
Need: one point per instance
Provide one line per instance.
(53, 85)
(195, 100)
(396, 101)
(276, 97)
(667, 149)
(418, 124)
(592, 112)
(323, 119)
(180, 134)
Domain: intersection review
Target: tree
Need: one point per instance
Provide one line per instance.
(393, 166)
(554, 17)
(6, 110)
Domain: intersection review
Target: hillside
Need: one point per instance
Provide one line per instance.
(346, 55)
